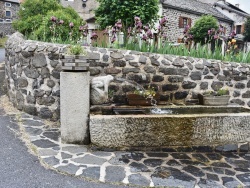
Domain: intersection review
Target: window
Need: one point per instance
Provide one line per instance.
(8, 20)
(238, 29)
(8, 13)
(184, 21)
(1, 20)
(7, 4)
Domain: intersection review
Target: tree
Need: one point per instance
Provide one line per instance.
(201, 27)
(47, 20)
(109, 11)
(247, 30)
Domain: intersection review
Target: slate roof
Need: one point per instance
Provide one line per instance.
(232, 8)
(195, 7)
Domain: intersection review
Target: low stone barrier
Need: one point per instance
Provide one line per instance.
(33, 75)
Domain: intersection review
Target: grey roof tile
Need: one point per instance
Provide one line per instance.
(195, 6)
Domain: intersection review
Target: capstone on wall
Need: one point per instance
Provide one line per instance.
(33, 75)
(174, 32)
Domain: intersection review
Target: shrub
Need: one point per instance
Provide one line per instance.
(201, 27)
(49, 21)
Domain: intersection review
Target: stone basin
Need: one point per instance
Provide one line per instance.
(192, 126)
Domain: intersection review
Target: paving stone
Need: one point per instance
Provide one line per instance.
(51, 161)
(245, 156)
(47, 152)
(32, 122)
(173, 162)
(138, 179)
(244, 178)
(92, 172)
(114, 174)
(209, 169)
(200, 157)
(221, 164)
(156, 154)
(194, 171)
(57, 148)
(212, 177)
(203, 183)
(75, 149)
(90, 159)
(120, 159)
(33, 131)
(241, 169)
(218, 170)
(70, 169)
(230, 182)
(102, 153)
(229, 172)
(43, 143)
(138, 167)
(153, 162)
(230, 155)
(168, 176)
(65, 161)
(52, 135)
(180, 156)
(190, 162)
(238, 163)
(65, 155)
(213, 156)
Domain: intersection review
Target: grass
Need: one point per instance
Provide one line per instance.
(2, 41)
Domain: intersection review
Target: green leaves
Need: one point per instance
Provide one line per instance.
(109, 11)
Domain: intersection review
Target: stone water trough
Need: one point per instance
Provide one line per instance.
(178, 126)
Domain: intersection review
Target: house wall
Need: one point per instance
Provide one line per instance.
(174, 32)
(85, 12)
(6, 26)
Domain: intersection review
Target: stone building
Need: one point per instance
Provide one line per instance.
(181, 13)
(8, 13)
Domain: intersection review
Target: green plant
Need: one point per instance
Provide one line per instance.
(202, 26)
(222, 92)
(146, 93)
(2, 41)
(75, 50)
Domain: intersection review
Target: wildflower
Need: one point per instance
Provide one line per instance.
(229, 43)
(216, 37)
(163, 21)
(137, 19)
(53, 18)
(233, 41)
(150, 34)
(94, 36)
(144, 37)
(71, 25)
(146, 27)
(80, 28)
(106, 32)
(60, 22)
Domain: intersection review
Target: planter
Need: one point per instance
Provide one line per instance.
(139, 100)
(211, 100)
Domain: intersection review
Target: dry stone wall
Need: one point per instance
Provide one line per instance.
(33, 75)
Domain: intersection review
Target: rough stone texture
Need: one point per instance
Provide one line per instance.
(118, 131)
(33, 68)
(75, 107)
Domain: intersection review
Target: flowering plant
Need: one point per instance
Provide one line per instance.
(146, 93)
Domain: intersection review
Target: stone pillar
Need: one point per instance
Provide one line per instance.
(74, 100)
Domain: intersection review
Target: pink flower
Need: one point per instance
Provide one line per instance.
(94, 36)
(71, 25)
(80, 28)
(163, 21)
(209, 32)
(216, 37)
(150, 34)
(137, 19)
(144, 37)
(61, 22)
(53, 18)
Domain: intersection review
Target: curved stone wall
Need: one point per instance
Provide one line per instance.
(33, 75)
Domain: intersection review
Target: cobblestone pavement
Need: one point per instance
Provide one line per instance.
(167, 169)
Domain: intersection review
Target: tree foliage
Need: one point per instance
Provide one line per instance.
(201, 27)
(247, 30)
(109, 11)
(35, 21)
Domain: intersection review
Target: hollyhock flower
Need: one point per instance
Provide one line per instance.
(146, 27)
(137, 19)
(216, 37)
(81, 28)
(150, 34)
(209, 32)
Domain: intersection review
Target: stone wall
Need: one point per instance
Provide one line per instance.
(33, 75)
(6, 29)
(174, 32)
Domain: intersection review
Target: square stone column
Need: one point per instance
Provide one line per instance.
(74, 100)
